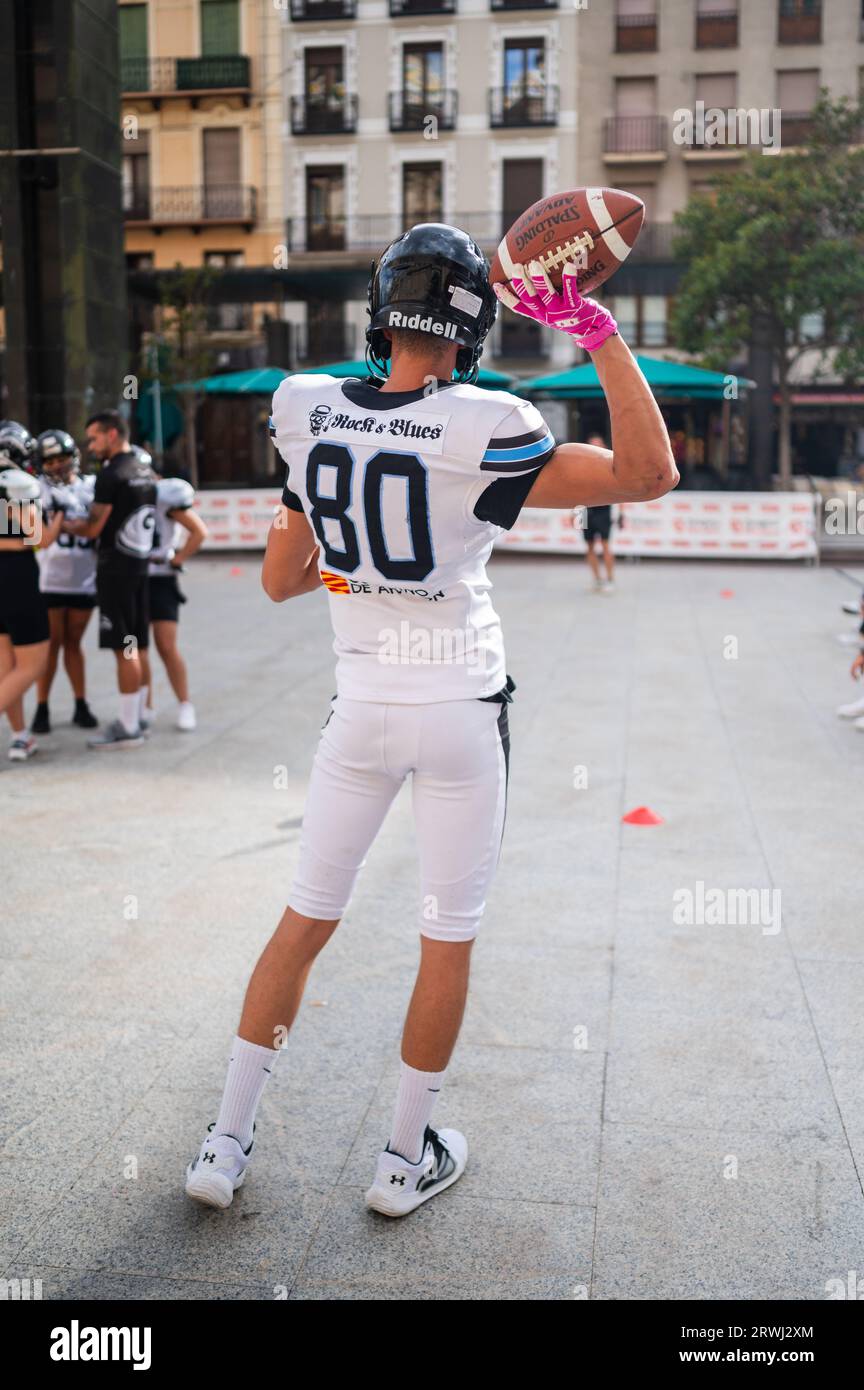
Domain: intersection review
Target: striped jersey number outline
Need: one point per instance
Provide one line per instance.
(383, 464)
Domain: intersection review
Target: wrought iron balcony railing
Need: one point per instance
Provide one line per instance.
(523, 106)
(400, 8)
(796, 128)
(225, 204)
(163, 76)
(635, 135)
(523, 4)
(636, 33)
(800, 24)
(411, 111)
(334, 116)
(323, 9)
(717, 28)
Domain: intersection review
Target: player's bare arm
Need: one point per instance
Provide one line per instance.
(95, 523)
(192, 522)
(291, 559)
(638, 468)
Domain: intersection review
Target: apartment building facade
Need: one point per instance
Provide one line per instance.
(467, 110)
(202, 146)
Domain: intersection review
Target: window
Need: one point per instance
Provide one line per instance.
(799, 21)
(797, 94)
(524, 68)
(325, 85)
(423, 74)
(717, 89)
(227, 318)
(642, 319)
(636, 26)
(223, 194)
(522, 185)
(422, 195)
(635, 96)
(220, 28)
(136, 177)
(325, 208)
(133, 48)
(716, 23)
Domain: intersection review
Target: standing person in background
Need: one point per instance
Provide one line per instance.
(23, 615)
(597, 526)
(67, 574)
(175, 514)
(121, 521)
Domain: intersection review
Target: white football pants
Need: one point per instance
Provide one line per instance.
(456, 752)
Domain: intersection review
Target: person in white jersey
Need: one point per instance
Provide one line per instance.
(178, 533)
(396, 490)
(67, 574)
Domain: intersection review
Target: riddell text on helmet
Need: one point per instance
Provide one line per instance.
(396, 319)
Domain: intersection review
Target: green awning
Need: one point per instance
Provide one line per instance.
(668, 380)
(262, 381)
(493, 381)
(257, 381)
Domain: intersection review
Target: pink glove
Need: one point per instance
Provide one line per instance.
(588, 323)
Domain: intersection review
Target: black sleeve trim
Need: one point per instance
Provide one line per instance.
(503, 500)
(291, 500)
(519, 441)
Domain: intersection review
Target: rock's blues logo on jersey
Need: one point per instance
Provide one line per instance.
(318, 417)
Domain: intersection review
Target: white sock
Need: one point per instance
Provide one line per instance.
(143, 692)
(129, 712)
(249, 1069)
(415, 1099)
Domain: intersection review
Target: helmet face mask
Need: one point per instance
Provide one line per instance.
(433, 279)
(58, 455)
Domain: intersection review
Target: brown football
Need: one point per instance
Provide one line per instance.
(595, 227)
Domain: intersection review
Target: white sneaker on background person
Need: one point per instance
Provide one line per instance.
(859, 725)
(186, 717)
(852, 710)
(24, 745)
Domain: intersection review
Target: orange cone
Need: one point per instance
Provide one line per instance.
(234, 570)
(643, 815)
(727, 593)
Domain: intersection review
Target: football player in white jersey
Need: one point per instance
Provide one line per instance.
(179, 532)
(396, 490)
(67, 574)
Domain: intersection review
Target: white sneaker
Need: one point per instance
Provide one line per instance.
(186, 717)
(401, 1186)
(852, 710)
(609, 587)
(859, 725)
(848, 639)
(22, 748)
(218, 1169)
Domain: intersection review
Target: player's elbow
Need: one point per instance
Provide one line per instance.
(273, 587)
(662, 478)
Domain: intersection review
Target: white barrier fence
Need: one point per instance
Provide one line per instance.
(768, 525)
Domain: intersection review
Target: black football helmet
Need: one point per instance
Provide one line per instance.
(58, 444)
(435, 279)
(17, 445)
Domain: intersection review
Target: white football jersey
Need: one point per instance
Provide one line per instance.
(69, 565)
(172, 495)
(406, 493)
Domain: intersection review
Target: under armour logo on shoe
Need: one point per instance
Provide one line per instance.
(209, 1158)
(398, 1178)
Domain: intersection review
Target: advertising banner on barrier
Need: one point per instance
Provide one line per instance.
(771, 525)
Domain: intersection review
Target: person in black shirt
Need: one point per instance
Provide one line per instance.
(122, 522)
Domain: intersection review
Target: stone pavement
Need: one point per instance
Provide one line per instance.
(656, 1106)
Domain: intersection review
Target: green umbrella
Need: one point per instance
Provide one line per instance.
(495, 381)
(667, 379)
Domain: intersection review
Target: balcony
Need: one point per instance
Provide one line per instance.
(523, 4)
(631, 137)
(374, 231)
(522, 106)
(323, 9)
(717, 29)
(189, 78)
(194, 206)
(332, 117)
(319, 343)
(796, 128)
(802, 27)
(636, 33)
(400, 9)
(410, 112)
